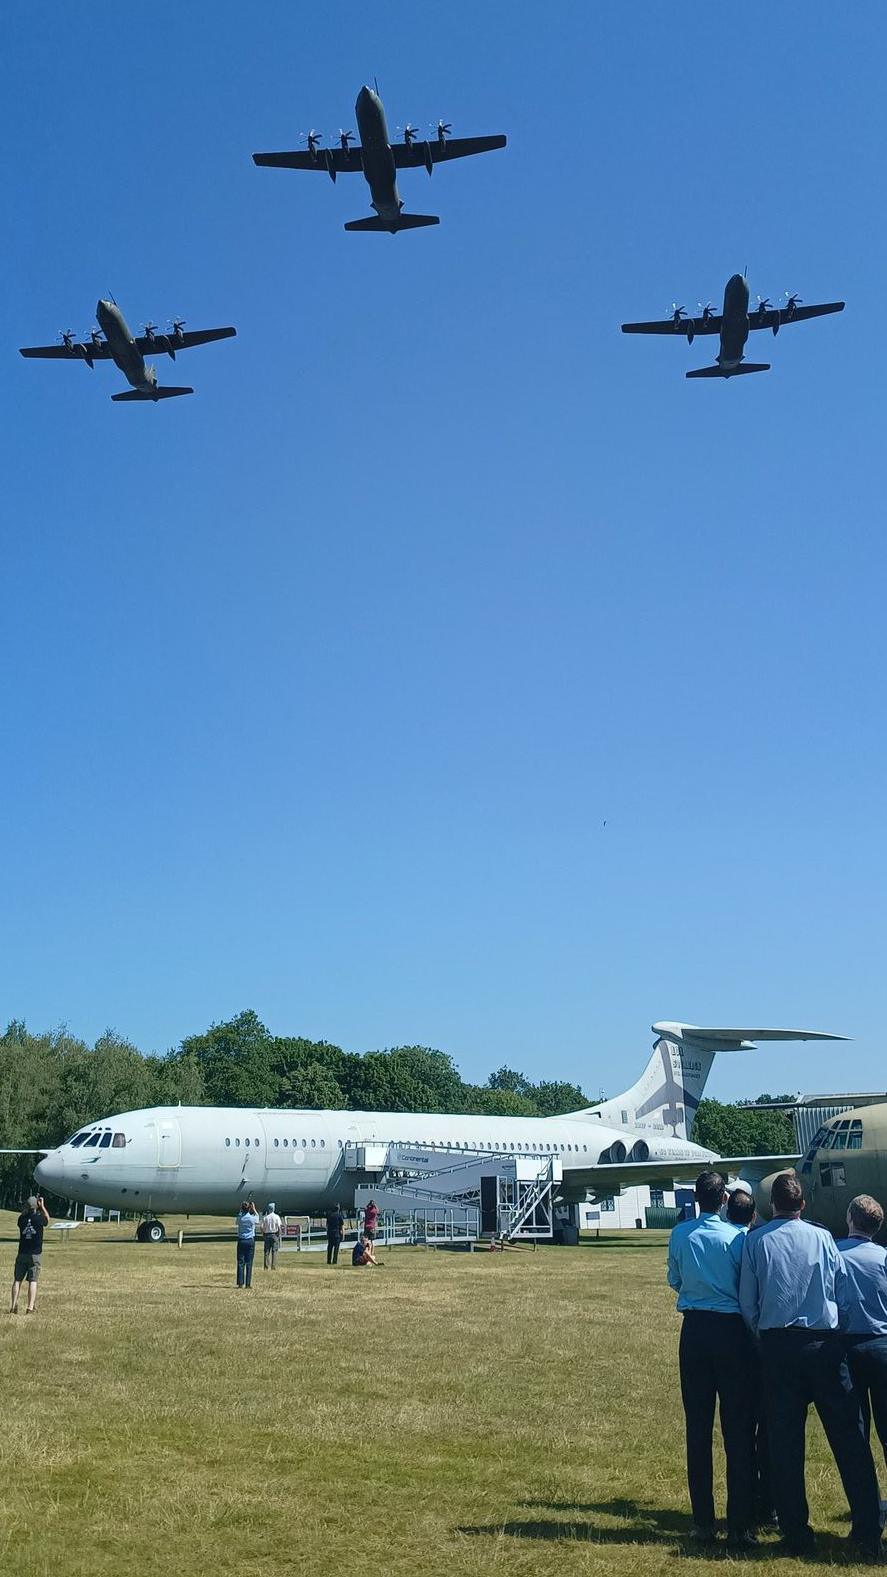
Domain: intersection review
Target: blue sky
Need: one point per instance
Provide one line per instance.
(320, 686)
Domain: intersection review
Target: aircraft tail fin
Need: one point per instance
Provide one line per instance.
(668, 1092)
(402, 222)
(168, 393)
(734, 372)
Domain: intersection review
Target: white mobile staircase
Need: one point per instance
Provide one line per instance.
(446, 1197)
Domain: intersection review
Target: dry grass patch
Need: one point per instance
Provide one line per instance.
(448, 1413)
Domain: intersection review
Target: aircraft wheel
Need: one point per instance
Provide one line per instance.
(150, 1232)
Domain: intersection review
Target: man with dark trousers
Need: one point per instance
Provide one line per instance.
(335, 1226)
(716, 1361)
(794, 1294)
(865, 1262)
(741, 1212)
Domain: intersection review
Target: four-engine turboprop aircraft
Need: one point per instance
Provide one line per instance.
(733, 325)
(206, 1159)
(847, 1156)
(128, 350)
(379, 160)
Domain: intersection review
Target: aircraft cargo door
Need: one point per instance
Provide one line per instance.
(169, 1143)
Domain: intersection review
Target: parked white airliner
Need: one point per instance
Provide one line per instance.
(205, 1159)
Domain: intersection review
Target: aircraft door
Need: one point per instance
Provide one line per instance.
(169, 1143)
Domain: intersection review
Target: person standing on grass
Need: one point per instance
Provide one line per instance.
(247, 1221)
(741, 1213)
(795, 1292)
(335, 1227)
(371, 1220)
(31, 1222)
(716, 1362)
(866, 1330)
(272, 1228)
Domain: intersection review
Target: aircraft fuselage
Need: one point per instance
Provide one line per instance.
(206, 1159)
(124, 351)
(378, 160)
(734, 322)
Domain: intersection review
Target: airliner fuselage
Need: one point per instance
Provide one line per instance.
(205, 1159)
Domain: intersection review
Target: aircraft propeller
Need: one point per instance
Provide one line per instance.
(148, 329)
(791, 302)
(345, 139)
(312, 138)
(91, 344)
(443, 130)
(706, 311)
(679, 318)
(67, 338)
(410, 133)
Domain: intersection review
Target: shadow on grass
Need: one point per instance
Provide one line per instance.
(651, 1525)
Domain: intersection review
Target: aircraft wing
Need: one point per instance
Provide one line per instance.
(329, 161)
(414, 155)
(689, 327)
(100, 351)
(161, 344)
(775, 317)
(608, 1177)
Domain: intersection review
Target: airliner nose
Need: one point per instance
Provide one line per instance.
(50, 1172)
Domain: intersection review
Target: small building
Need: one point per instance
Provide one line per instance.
(628, 1209)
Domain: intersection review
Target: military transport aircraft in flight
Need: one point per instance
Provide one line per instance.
(128, 350)
(207, 1159)
(733, 326)
(379, 159)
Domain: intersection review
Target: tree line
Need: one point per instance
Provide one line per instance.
(53, 1083)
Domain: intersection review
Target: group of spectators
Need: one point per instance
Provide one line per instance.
(250, 1224)
(777, 1316)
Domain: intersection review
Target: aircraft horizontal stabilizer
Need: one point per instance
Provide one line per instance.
(159, 394)
(734, 1038)
(734, 372)
(403, 222)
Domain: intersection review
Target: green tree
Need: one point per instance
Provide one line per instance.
(741, 1130)
(236, 1061)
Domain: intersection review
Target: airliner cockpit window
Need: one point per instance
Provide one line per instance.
(78, 1139)
(93, 1140)
(854, 1141)
(106, 1140)
(119, 1141)
(839, 1141)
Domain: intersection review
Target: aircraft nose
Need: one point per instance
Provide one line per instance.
(50, 1172)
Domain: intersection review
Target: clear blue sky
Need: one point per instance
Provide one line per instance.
(320, 686)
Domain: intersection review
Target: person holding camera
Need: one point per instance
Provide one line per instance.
(31, 1222)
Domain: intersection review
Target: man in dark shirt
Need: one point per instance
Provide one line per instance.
(335, 1226)
(31, 1222)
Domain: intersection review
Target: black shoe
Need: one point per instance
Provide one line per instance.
(702, 1533)
(868, 1552)
(801, 1546)
(741, 1539)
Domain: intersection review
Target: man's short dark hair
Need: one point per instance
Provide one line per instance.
(866, 1214)
(786, 1195)
(740, 1207)
(710, 1190)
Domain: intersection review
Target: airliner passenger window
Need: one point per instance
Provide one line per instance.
(237, 1143)
(314, 1144)
(227, 1144)
(276, 1143)
(246, 1142)
(119, 1141)
(106, 1140)
(304, 1144)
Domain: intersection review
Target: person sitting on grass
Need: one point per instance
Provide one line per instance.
(362, 1253)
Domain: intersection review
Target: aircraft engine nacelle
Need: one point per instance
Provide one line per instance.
(615, 1153)
(640, 1150)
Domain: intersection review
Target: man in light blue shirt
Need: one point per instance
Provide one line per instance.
(866, 1264)
(793, 1291)
(715, 1358)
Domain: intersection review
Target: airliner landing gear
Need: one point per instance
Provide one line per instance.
(150, 1232)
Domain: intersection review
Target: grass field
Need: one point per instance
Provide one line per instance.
(447, 1413)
